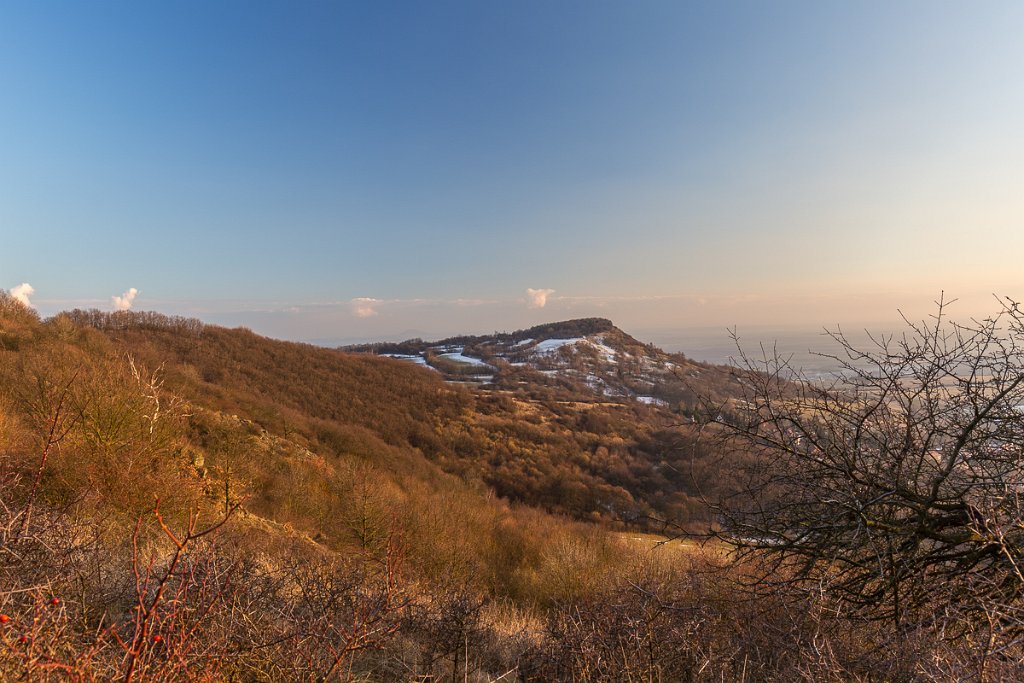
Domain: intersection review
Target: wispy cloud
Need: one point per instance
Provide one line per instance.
(364, 307)
(124, 302)
(538, 298)
(22, 292)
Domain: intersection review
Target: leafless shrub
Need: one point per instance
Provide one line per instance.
(312, 618)
(893, 492)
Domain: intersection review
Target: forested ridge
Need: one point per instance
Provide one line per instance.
(619, 462)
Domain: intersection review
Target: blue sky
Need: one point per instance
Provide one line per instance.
(327, 171)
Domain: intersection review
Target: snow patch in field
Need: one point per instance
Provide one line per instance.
(652, 401)
(457, 357)
(524, 342)
(408, 358)
(472, 380)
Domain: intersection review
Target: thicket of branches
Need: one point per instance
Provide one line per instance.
(893, 493)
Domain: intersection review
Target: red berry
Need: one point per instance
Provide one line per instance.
(55, 601)
(4, 618)
(157, 638)
(23, 639)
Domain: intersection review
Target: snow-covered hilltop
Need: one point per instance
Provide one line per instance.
(589, 357)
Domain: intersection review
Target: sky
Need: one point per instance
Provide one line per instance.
(342, 171)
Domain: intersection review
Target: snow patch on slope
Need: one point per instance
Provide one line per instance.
(457, 357)
(549, 346)
(408, 358)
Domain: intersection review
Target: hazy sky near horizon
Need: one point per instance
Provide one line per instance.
(333, 171)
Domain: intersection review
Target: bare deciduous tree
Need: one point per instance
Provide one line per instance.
(896, 487)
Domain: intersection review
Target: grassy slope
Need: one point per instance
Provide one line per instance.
(340, 450)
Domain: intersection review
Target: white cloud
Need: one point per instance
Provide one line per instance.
(538, 298)
(124, 302)
(22, 292)
(364, 307)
